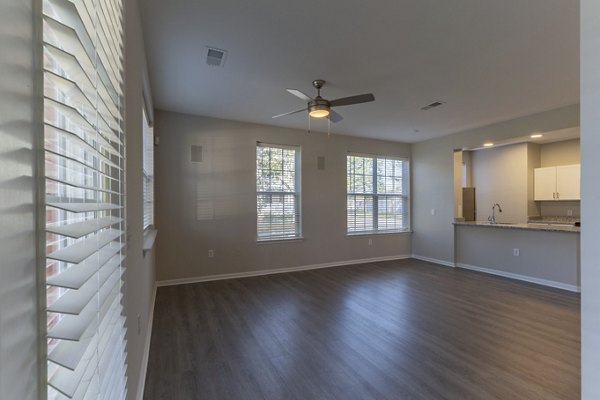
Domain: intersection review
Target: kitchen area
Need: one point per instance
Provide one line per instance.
(517, 208)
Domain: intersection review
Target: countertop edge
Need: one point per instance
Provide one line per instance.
(522, 226)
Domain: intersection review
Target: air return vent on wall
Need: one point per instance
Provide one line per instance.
(215, 57)
(196, 154)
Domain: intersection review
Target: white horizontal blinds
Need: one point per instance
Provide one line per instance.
(377, 198)
(84, 148)
(277, 192)
(148, 143)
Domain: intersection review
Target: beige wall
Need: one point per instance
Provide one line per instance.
(500, 176)
(550, 258)
(458, 163)
(560, 153)
(19, 335)
(211, 205)
(139, 280)
(590, 212)
(533, 162)
(432, 162)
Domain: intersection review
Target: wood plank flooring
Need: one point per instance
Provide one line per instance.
(393, 330)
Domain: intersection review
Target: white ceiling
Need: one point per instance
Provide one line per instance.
(490, 60)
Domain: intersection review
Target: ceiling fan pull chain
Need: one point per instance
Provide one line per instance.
(329, 125)
(308, 123)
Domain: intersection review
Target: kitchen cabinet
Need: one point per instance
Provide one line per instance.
(557, 183)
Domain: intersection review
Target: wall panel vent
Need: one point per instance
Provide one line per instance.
(320, 163)
(196, 154)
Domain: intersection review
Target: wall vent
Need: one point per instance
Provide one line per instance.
(432, 105)
(215, 57)
(320, 163)
(196, 154)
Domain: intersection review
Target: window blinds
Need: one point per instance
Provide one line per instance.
(277, 192)
(148, 164)
(377, 194)
(84, 168)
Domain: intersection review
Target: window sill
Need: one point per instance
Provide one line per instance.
(149, 238)
(279, 241)
(360, 234)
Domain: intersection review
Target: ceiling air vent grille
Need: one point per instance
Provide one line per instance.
(432, 105)
(215, 57)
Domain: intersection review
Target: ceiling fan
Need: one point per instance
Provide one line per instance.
(320, 107)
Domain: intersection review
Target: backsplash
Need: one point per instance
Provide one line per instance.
(554, 218)
(560, 208)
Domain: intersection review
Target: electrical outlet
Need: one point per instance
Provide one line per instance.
(516, 252)
(569, 213)
(370, 242)
(432, 211)
(211, 253)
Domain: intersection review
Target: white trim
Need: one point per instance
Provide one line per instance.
(197, 279)
(525, 278)
(146, 355)
(434, 260)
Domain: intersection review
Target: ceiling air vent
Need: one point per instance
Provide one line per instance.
(432, 105)
(215, 57)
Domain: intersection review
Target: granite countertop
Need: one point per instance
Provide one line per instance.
(535, 226)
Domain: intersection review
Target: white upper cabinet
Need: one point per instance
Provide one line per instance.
(545, 183)
(568, 182)
(557, 183)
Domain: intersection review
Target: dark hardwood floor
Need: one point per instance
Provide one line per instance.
(392, 330)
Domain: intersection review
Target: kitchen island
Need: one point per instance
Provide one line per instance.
(542, 253)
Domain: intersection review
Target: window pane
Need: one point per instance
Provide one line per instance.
(392, 213)
(360, 213)
(377, 191)
(277, 203)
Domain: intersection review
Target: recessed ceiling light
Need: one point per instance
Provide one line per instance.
(488, 144)
(537, 135)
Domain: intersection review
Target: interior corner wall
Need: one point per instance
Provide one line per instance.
(566, 152)
(590, 199)
(432, 162)
(19, 334)
(139, 282)
(500, 176)
(212, 204)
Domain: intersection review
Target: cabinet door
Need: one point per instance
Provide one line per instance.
(568, 182)
(545, 183)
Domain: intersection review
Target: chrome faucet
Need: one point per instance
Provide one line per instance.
(492, 218)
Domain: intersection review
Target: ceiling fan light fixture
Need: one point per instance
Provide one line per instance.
(319, 111)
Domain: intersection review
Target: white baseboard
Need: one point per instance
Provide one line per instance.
(434, 260)
(183, 281)
(146, 355)
(539, 281)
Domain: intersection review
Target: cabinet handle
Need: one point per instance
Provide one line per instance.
(557, 195)
(554, 195)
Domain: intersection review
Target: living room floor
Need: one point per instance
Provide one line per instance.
(405, 329)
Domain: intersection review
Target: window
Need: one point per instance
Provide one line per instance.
(148, 143)
(377, 194)
(277, 192)
(84, 198)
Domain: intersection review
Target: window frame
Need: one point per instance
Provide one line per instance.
(297, 193)
(404, 196)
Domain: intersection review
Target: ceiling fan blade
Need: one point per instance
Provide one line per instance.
(289, 113)
(335, 117)
(299, 94)
(346, 101)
